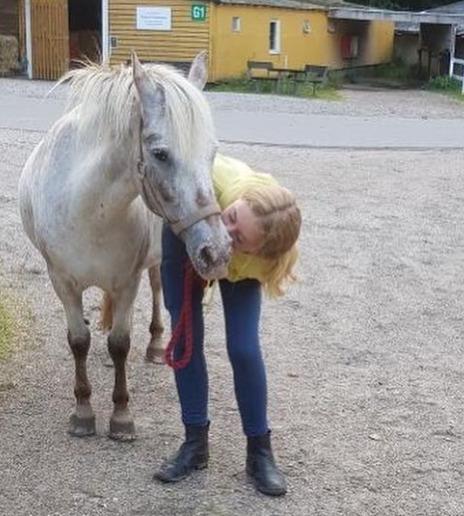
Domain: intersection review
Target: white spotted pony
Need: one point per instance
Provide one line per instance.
(134, 140)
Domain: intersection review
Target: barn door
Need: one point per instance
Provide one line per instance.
(50, 38)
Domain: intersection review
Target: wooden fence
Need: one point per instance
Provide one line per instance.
(50, 38)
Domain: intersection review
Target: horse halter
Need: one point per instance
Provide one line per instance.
(154, 202)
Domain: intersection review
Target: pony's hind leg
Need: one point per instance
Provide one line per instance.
(82, 421)
(155, 349)
(121, 422)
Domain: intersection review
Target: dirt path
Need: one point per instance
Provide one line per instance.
(364, 360)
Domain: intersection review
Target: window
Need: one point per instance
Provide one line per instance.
(236, 25)
(274, 37)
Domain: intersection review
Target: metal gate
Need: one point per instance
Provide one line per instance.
(50, 38)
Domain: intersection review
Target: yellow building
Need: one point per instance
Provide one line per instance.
(286, 32)
(289, 33)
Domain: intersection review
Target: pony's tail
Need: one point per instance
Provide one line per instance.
(106, 313)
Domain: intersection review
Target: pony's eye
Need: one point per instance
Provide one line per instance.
(160, 155)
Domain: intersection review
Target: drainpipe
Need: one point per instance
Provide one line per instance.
(452, 49)
(105, 31)
(27, 9)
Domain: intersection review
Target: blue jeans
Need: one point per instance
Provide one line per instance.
(242, 308)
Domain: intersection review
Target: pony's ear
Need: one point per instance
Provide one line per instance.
(137, 69)
(198, 74)
(152, 99)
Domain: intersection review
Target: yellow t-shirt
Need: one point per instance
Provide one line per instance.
(231, 177)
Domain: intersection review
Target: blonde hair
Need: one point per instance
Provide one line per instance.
(280, 219)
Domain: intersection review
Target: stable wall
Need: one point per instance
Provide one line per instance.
(180, 44)
(232, 50)
(320, 46)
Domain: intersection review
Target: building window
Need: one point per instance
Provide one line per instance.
(274, 37)
(236, 25)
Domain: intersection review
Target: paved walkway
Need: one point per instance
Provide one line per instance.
(275, 127)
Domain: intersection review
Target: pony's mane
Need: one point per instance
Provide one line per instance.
(108, 103)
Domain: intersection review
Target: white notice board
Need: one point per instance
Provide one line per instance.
(153, 18)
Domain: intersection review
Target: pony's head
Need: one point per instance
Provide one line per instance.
(177, 145)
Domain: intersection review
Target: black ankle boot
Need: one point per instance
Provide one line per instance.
(261, 466)
(192, 455)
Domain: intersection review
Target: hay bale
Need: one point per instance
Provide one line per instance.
(9, 55)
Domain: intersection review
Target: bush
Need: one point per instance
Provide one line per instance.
(335, 79)
(445, 82)
(286, 87)
(396, 70)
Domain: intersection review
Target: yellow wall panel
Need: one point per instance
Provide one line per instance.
(233, 49)
(380, 42)
(186, 38)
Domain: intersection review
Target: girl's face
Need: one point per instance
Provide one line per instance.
(243, 227)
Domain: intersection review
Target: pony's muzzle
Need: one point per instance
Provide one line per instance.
(211, 260)
(209, 249)
(208, 256)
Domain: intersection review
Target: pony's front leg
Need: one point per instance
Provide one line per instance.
(155, 349)
(82, 421)
(121, 422)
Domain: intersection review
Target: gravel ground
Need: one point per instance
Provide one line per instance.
(355, 102)
(364, 354)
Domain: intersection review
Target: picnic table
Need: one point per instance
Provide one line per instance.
(291, 74)
(265, 71)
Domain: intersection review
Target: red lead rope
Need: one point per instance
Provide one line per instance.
(184, 326)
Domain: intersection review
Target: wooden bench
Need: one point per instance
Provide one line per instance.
(313, 74)
(258, 71)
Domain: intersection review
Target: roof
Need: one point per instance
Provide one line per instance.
(407, 27)
(454, 8)
(349, 12)
(310, 5)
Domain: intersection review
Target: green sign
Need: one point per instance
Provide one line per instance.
(199, 12)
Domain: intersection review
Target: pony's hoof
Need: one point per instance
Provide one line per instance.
(155, 356)
(81, 427)
(122, 431)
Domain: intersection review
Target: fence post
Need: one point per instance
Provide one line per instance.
(462, 82)
(459, 77)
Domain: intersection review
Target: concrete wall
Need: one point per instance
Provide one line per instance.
(406, 46)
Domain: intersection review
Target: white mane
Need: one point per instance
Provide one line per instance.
(108, 104)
